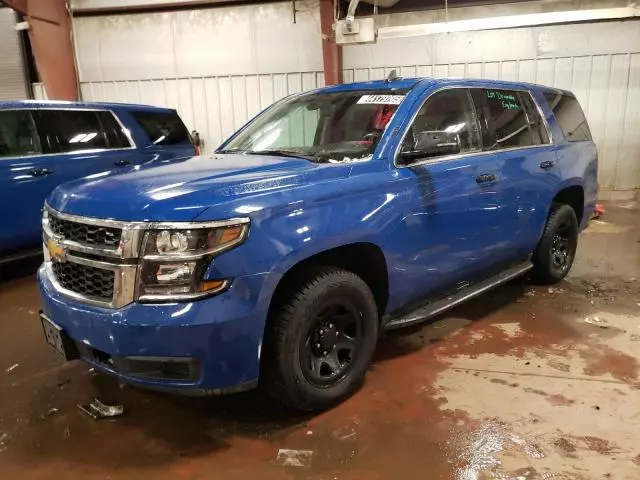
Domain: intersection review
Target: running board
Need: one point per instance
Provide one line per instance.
(439, 306)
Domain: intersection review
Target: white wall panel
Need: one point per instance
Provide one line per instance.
(13, 81)
(599, 62)
(236, 40)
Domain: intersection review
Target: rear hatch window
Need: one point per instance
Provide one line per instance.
(569, 115)
(163, 128)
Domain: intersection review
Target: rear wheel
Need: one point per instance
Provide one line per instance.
(556, 250)
(319, 344)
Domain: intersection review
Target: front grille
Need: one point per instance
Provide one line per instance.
(88, 281)
(83, 233)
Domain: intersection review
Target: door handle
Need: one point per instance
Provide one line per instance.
(122, 163)
(547, 164)
(40, 172)
(485, 178)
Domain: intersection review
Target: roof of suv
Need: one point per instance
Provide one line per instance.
(80, 105)
(409, 83)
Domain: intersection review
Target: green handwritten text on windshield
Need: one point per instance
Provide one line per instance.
(507, 101)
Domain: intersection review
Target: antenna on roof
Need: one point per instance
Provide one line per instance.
(393, 75)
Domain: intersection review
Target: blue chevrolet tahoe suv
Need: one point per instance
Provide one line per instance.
(44, 144)
(331, 216)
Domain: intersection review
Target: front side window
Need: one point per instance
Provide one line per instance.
(445, 125)
(505, 114)
(322, 127)
(17, 134)
(162, 128)
(70, 130)
(570, 116)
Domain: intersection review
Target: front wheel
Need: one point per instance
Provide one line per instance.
(319, 344)
(556, 250)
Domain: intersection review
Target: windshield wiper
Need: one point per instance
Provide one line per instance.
(282, 153)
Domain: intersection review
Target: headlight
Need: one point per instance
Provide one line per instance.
(174, 261)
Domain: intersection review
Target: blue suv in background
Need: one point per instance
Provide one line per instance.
(331, 216)
(44, 144)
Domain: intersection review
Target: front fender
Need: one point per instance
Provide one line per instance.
(343, 213)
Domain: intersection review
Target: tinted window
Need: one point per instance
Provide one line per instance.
(116, 138)
(506, 116)
(322, 127)
(539, 135)
(163, 128)
(445, 124)
(70, 130)
(17, 134)
(570, 116)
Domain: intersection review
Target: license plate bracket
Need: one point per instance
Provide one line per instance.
(57, 339)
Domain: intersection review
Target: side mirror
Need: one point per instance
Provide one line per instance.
(432, 144)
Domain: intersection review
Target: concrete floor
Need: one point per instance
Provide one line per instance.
(515, 385)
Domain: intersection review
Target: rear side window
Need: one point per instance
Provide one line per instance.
(163, 128)
(511, 118)
(17, 134)
(64, 131)
(116, 137)
(570, 116)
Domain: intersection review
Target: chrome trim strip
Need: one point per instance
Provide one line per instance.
(476, 152)
(137, 225)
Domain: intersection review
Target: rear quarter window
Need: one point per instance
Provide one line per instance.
(569, 116)
(162, 128)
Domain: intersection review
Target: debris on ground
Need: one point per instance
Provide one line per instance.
(12, 367)
(556, 290)
(61, 385)
(344, 434)
(67, 433)
(294, 458)
(530, 293)
(3, 442)
(52, 411)
(97, 410)
(596, 321)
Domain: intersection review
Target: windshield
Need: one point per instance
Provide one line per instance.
(330, 127)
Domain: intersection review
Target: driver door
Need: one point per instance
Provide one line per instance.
(449, 186)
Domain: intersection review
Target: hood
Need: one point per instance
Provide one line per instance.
(181, 190)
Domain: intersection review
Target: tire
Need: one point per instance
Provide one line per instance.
(319, 343)
(556, 250)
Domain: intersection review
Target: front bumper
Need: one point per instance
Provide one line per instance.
(218, 338)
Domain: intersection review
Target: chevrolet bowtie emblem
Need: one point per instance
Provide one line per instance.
(56, 251)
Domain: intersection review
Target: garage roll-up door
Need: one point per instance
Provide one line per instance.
(13, 83)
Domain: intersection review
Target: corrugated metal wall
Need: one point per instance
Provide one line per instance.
(599, 62)
(13, 84)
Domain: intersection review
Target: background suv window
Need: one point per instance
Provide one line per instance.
(70, 130)
(163, 128)
(17, 134)
(570, 116)
(116, 138)
(447, 116)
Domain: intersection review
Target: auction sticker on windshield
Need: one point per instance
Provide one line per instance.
(382, 99)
